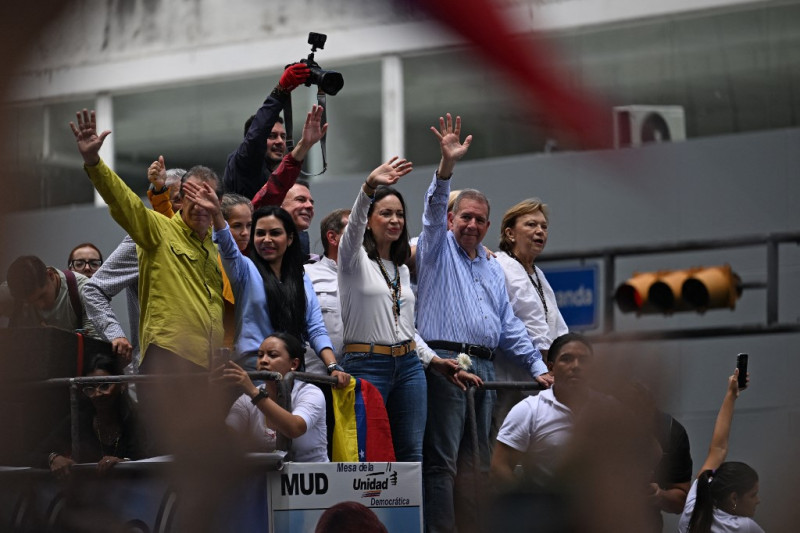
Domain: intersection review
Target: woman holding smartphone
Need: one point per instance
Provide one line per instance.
(724, 496)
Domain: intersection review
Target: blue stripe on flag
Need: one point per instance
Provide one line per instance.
(361, 422)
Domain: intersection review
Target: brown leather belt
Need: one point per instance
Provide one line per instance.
(395, 350)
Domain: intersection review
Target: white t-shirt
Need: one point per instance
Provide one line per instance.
(308, 403)
(540, 427)
(723, 522)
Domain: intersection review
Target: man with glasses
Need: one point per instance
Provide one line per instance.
(85, 259)
(36, 295)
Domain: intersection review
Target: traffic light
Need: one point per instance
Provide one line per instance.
(669, 291)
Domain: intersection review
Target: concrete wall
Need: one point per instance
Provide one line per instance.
(707, 188)
(124, 45)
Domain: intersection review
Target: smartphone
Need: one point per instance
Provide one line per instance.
(220, 357)
(741, 364)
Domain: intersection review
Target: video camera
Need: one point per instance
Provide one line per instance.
(329, 81)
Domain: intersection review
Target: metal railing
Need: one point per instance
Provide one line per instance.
(76, 383)
(473, 426)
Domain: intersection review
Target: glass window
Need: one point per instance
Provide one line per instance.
(457, 82)
(354, 135)
(47, 169)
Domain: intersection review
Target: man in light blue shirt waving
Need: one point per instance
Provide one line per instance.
(462, 307)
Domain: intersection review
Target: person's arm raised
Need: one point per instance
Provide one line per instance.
(284, 177)
(89, 141)
(313, 131)
(125, 206)
(158, 193)
(450, 143)
(718, 449)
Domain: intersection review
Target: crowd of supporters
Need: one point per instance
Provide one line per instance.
(226, 263)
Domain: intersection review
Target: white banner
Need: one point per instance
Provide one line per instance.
(301, 492)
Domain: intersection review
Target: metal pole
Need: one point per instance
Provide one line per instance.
(73, 421)
(608, 293)
(282, 442)
(476, 456)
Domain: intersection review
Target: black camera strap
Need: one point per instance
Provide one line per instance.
(287, 119)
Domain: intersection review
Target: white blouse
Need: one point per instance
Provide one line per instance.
(365, 298)
(527, 306)
(308, 402)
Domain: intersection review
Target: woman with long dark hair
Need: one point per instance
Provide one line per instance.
(271, 290)
(724, 496)
(378, 306)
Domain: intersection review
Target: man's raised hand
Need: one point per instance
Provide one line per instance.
(313, 129)
(157, 173)
(89, 142)
(450, 138)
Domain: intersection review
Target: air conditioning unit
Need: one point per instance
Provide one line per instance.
(635, 125)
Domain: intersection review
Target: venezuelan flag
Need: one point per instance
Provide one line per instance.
(361, 432)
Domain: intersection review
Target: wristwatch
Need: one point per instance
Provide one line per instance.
(262, 393)
(333, 367)
(154, 191)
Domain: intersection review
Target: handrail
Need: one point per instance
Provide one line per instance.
(75, 382)
(473, 425)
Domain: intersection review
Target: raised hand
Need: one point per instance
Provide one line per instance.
(313, 129)
(733, 383)
(295, 74)
(89, 142)
(157, 173)
(450, 139)
(389, 173)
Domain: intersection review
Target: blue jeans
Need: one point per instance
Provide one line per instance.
(401, 382)
(448, 447)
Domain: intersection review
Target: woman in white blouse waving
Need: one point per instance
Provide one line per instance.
(378, 306)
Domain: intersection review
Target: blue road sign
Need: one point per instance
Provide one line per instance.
(576, 294)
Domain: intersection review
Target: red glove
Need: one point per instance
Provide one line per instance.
(295, 74)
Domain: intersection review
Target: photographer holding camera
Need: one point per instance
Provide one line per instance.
(258, 169)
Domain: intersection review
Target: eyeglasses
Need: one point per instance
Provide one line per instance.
(94, 264)
(92, 390)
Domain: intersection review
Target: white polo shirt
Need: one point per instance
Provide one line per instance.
(540, 427)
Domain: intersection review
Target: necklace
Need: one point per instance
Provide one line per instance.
(536, 284)
(394, 288)
(106, 440)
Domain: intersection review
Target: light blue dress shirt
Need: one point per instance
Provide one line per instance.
(462, 299)
(253, 324)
